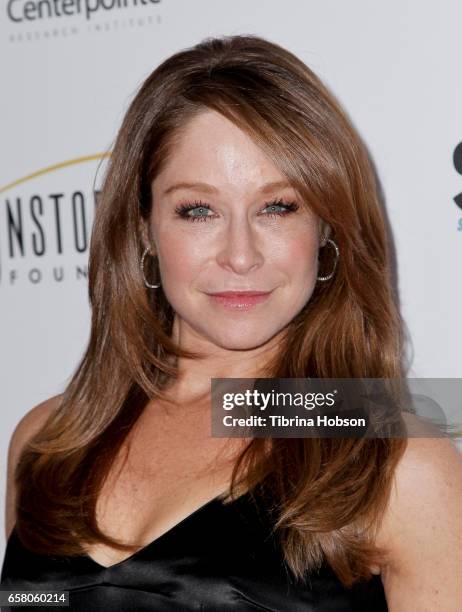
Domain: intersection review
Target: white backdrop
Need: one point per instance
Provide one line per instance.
(67, 80)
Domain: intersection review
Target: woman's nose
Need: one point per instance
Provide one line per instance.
(240, 249)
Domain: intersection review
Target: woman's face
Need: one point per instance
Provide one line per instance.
(223, 220)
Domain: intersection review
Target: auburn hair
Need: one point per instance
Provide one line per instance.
(332, 504)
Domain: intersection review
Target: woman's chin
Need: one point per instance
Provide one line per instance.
(241, 342)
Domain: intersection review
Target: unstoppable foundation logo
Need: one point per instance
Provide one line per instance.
(45, 224)
(336, 407)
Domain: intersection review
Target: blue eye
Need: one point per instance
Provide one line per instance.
(194, 211)
(287, 207)
(185, 211)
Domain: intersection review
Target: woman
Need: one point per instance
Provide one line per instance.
(233, 171)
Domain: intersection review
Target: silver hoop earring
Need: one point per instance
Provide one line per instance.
(146, 251)
(337, 255)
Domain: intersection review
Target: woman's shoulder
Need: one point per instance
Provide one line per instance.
(31, 422)
(422, 526)
(427, 477)
(26, 428)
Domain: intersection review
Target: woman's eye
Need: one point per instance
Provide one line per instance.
(280, 208)
(199, 211)
(195, 211)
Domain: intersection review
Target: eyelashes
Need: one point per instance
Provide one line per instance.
(184, 210)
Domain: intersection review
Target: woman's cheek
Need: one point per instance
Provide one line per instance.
(180, 258)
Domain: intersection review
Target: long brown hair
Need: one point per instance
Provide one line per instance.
(338, 489)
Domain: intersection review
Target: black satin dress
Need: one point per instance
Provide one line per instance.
(220, 558)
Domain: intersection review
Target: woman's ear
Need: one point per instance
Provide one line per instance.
(324, 232)
(146, 238)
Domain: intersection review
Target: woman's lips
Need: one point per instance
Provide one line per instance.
(241, 300)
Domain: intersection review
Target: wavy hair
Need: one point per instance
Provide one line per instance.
(333, 502)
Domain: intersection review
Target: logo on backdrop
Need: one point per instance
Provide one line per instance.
(45, 224)
(43, 19)
(457, 159)
(32, 10)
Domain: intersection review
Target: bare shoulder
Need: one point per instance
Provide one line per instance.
(422, 527)
(29, 425)
(25, 429)
(428, 475)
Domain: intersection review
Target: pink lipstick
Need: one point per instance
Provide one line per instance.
(240, 300)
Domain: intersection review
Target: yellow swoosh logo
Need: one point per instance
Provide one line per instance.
(48, 169)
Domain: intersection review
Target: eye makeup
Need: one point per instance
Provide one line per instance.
(185, 209)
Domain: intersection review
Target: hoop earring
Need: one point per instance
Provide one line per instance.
(337, 255)
(146, 251)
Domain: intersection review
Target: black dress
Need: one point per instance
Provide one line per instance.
(221, 557)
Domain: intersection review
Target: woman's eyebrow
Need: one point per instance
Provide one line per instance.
(206, 188)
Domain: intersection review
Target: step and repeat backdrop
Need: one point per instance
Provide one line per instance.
(69, 69)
